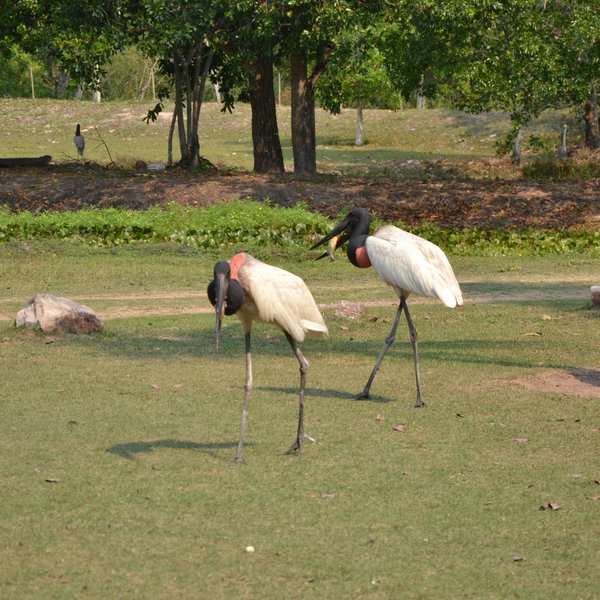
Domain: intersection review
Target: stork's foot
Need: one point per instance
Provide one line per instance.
(296, 447)
(238, 460)
(364, 395)
(419, 403)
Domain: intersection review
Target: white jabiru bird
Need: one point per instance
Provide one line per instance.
(79, 141)
(406, 262)
(256, 291)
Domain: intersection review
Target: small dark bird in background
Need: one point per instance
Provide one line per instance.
(256, 291)
(79, 141)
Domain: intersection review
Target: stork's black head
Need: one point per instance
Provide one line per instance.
(356, 223)
(225, 294)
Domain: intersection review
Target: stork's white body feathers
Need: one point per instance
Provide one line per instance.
(255, 291)
(406, 262)
(274, 295)
(411, 264)
(79, 141)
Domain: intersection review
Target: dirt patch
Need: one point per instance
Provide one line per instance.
(574, 382)
(466, 203)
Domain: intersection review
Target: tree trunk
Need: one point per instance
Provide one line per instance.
(63, 82)
(149, 83)
(170, 140)
(180, 73)
(303, 116)
(304, 138)
(191, 73)
(592, 134)
(268, 156)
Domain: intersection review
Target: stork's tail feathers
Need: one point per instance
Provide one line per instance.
(451, 297)
(315, 329)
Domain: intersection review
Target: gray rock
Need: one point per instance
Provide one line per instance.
(55, 314)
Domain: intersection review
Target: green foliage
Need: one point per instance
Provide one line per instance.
(15, 80)
(247, 224)
(489, 242)
(520, 56)
(424, 43)
(128, 76)
(241, 222)
(529, 55)
(356, 75)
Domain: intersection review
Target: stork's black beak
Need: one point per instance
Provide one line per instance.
(221, 285)
(337, 237)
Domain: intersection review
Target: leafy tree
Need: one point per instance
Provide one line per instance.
(313, 27)
(539, 55)
(17, 19)
(522, 56)
(356, 76)
(425, 43)
(249, 44)
(180, 32)
(81, 36)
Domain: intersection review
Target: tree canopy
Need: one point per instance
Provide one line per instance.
(520, 56)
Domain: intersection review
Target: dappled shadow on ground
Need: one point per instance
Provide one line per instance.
(479, 351)
(130, 450)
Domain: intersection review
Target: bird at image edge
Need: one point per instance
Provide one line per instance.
(256, 291)
(408, 263)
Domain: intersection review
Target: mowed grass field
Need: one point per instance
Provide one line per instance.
(115, 131)
(115, 448)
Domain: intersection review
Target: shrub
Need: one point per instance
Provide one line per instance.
(247, 224)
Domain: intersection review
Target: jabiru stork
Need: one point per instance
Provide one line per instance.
(256, 291)
(406, 262)
(79, 141)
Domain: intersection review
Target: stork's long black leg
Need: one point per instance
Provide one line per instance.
(296, 447)
(364, 395)
(239, 457)
(413, 341)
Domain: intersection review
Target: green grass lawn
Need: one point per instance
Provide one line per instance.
(114, 448)
(115, 130)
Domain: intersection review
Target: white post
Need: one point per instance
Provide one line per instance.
(31, 78)
(359, 127)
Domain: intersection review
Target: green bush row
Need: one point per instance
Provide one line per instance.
(240, 222)
(250, 224)
(487, 242)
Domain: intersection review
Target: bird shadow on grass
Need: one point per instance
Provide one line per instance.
(320, 393)
(587, 376)
(130, 450)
